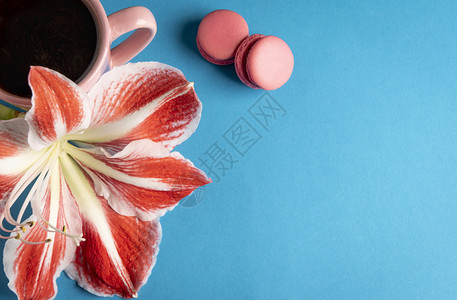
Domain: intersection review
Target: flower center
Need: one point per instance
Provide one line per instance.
(47, 185)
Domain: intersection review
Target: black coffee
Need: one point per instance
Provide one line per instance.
(57, 34)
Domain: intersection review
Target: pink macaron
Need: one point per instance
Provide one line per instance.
(264, 62)
(219, 35)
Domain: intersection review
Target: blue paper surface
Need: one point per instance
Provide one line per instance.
(342, 184)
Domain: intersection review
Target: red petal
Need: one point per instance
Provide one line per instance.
(171, 124)
(150, 183)
(144, 100)
(126, 89)
(116, 263)
(13, 138)
(33, 269)
(58, 107)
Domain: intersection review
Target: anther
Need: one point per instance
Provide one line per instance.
(48, 241)
(31, 223)
(64, 228)
(23, 229)
(18, 236)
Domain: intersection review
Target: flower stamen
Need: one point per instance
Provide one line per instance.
(32, 172)
(4, 229)
(33, 243)
(8, 237)
(32, 192)
(76, 238)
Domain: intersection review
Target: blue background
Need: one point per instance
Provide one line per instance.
(350, 192)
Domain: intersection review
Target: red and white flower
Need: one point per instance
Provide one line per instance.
(101, 172)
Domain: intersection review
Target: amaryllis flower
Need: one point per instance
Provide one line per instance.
(101, 172)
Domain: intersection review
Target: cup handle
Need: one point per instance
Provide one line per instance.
(136, 18)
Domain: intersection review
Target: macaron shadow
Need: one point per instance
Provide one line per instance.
(189, 36)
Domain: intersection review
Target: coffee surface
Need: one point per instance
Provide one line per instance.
(57, 34)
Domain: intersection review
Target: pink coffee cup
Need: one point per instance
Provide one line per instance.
(109, 28)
